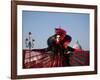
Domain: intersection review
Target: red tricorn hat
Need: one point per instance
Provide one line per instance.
(60, 31)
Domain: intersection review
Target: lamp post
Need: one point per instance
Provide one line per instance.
(29, 42)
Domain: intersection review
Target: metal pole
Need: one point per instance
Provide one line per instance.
(29, 44)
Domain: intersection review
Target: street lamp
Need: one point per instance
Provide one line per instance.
(29, 42)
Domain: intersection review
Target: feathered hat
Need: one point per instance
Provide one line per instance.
(60, 31)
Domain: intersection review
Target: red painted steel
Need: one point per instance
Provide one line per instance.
(41, 59)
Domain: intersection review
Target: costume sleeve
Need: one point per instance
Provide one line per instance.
(70, 49)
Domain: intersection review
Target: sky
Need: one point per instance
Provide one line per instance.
(42, 25)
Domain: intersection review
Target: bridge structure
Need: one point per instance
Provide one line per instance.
(38, 58)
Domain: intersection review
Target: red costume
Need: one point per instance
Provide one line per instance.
(56, 44)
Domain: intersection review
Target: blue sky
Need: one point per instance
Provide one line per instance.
(42, 25)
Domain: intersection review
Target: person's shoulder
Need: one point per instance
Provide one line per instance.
(70, 48)
(52, 37)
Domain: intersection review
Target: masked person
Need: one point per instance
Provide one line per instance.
(55, 41)
(59, 40)
(59, 44)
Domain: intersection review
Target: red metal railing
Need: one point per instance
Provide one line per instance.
(41, 59)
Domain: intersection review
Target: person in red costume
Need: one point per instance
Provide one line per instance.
(59, 43)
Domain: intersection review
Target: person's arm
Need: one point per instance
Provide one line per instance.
(73, 49)
(70, 49)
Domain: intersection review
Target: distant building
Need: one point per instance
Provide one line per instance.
(77, 45)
